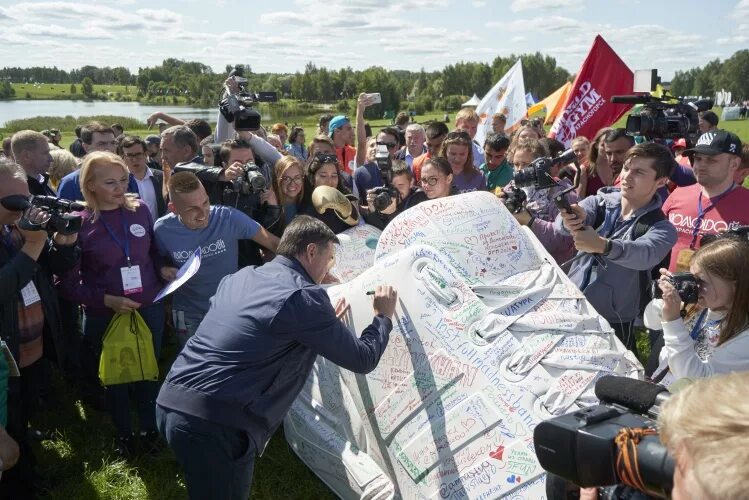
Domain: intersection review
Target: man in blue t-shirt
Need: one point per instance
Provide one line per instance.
(216, 230)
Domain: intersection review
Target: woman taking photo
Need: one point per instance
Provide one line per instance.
(324, 170)
(715, 340)
(117, 273)
(457, 149)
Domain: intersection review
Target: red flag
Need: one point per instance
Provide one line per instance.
(588, 108)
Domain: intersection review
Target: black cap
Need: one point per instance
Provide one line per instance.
(715, 143)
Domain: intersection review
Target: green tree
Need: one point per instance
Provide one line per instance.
(734, 75)
(73, 89)
(87, 87)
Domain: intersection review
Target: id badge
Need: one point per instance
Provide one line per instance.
(683, 258)
(131, 282)
(29, 294)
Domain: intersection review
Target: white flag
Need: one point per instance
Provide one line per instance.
(506, 97)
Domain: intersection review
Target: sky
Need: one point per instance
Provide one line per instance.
(282, 37)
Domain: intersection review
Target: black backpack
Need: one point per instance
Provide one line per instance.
(642, 226)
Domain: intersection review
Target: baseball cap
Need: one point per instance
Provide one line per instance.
(715, 143)
(153, 139)
(337, 122)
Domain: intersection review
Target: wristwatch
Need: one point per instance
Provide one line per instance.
(607, 248)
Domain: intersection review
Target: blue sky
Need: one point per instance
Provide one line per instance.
(404, 34)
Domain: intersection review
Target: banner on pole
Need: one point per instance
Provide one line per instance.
(506, 97)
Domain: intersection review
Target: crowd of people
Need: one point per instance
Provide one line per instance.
(264, 209)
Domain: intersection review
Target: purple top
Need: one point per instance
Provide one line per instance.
(98, 270)
(465, 182)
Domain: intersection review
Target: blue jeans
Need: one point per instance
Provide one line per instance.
(118, 398)
(217, 460)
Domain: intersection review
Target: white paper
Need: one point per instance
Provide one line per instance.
(187, 271)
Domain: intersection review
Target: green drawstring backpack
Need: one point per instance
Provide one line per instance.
(127, 353)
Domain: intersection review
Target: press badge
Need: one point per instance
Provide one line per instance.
(29, 294)
(683, 258)
(131, 282)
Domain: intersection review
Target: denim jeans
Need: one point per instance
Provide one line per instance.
(217, 460)
(118, 398)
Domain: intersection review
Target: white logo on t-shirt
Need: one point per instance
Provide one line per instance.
(138, 230)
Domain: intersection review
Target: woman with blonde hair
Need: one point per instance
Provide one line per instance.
(288, 184)
(63, 162)
(457, 150)
(117, 273)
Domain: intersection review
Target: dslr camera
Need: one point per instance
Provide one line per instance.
(60, 219)
(252, 181)
(384, 195)
(686, 286)
(613, 443)
(239, 108)
(538, 175)
(665, 117)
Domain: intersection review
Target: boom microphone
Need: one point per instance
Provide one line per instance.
(631, 99)
(639, 396)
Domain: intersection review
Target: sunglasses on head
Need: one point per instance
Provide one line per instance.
(326, 158)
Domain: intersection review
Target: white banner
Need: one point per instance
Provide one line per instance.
(506, 97)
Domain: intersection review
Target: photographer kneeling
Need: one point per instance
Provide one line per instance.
(230, 387)
(717, 338)
(29, 314)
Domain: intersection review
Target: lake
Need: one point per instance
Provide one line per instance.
(15, 110)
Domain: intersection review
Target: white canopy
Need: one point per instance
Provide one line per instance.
(473, 101)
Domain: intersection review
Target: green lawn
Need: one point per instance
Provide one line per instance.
(80, 462)
(62, 90)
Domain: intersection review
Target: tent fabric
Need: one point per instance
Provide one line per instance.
(554, 103)
(473, 101)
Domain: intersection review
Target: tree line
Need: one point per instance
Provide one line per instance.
(731, 74)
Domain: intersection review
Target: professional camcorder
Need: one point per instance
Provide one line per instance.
(251, 181)
(239, 108)
(384, 195)
(665, 117)
(538, 175)
(615, 442)
(60, 219)
(686, 286)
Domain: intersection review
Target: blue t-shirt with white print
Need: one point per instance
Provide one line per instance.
(219, 251)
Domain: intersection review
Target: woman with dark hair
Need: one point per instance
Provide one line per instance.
(333, 204)
(457, 150)
(436, 182)
(597, 173)
(296, 146)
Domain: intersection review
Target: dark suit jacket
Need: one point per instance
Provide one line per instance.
(158, 183)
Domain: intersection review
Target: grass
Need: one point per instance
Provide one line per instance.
(80, 463)
(62, 90)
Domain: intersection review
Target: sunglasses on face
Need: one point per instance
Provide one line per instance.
(15, 202)
(326, 158)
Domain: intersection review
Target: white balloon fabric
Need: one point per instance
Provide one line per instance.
(489, 338)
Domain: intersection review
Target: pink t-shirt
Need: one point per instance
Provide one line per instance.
(681, 209)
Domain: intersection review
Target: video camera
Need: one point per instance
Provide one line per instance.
(252, 181)
(739, 232)
(686, 286)
(665, 117)
(615, 442)
(60, 220)
(239, 108)
(384, 195)
(538, 175)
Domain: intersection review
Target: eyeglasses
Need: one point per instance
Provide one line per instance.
(390, 145)
(134, 155)
(326, 158)
(288, 180)
(432, 181)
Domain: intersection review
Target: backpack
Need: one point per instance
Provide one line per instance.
(642, 226)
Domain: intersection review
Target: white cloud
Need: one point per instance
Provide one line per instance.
(523, 5)
(517, 39)
(478, 3)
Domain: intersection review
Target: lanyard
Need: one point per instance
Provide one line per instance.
(698, 326)
(124, 246)
(701, 213)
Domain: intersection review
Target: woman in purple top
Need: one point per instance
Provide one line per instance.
(457, 149)
(117, 273)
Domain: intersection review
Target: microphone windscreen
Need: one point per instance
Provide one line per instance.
(631, 393)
